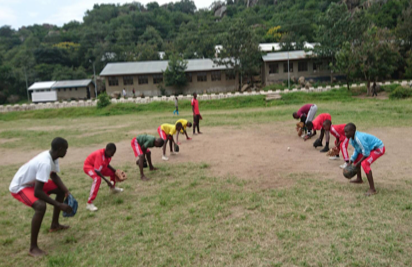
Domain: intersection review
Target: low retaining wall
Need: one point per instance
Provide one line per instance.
(92, 103)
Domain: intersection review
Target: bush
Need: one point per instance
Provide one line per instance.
(103, 100)
(400, 93)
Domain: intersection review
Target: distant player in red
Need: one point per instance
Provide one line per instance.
(317, 124)
(341, 142)
(97, 166)
(306, 113)
(32, 185)
(196, 114)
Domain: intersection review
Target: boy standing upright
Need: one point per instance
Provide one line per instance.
(32, 187)
(196, 114)
(368, 149)
(176, 107)
(97, 166)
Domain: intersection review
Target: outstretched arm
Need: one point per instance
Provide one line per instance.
(104, 178)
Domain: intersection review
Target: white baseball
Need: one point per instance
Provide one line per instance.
(288, 148)
(112, 182)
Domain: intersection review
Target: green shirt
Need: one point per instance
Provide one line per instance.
(145, 140)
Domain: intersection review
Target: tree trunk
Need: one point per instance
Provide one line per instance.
(347, 83)
(368, 88)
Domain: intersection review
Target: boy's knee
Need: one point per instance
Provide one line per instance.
(39, 206)
(148, 153)
(366, 166)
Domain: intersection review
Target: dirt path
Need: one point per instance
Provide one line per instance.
(259, 154)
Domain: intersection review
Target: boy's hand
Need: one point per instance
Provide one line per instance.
(65, 208)
(306, 137)
(110, 184)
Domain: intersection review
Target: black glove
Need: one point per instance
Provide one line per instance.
(317, 143)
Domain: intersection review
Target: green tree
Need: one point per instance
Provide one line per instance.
(175, 74)
(404, 28)
(240, 52)
(408, 69)
(377, 54)
(346, 63)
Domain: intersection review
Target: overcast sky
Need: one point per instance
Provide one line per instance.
(17, 13)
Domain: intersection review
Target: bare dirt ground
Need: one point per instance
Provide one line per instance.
(381, 96)
(258, 153)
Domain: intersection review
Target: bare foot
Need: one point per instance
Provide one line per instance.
(144, 178)
(371, 192)
(59, 227)
(153, 169)
(199, 132)
(36, 252)
(357, 181)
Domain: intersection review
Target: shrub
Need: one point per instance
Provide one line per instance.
(103, 100)
(400, 93)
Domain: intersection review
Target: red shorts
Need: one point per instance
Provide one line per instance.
(374, 155)
(26, 195)
(136, 148)
(162, 133)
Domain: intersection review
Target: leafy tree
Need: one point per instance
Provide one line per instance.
(273, 34)
(408, 69)
(377, 54)
(404, 28)
(175, 74)
(240, 52)
(346, 63)
(152, 37)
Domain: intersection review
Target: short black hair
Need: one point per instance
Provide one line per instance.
(309, 124)
(295, 114)
(351, 126)
(58, 143)
(160, 141)
(328, 122)
(111, 147)
(179, 124)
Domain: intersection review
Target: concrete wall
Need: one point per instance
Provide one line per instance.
(282, 76)
(152, 89)
(78, 93)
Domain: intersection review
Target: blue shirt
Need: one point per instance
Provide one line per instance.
(364, 143)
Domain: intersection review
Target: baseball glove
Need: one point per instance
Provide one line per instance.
(350, 171)
(120, 176)
(333, 152)
(176, 148)
(300, 128)
(317, 143)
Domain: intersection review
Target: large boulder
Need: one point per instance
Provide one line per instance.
(244, 87)
(13, 99)
(308, 85)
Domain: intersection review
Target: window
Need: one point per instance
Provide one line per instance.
(58, 90)
(216, 75)
(75, 89)
(285, 67)
(317, 67)
(274, 68)
(70, 89)
(230, 76)
(143, 80)
(127, 80)
(202, 77)
(113, 81)
(302, 66)
(189, 77)
(157, 78)
(64, 89)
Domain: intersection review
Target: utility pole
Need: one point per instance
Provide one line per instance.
(95, 84)
(288, 71)
(27, 85)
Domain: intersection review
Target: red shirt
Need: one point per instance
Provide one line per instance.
(304, 110)
(195, 104)
(97, 160)
(338, 131)
(318, 122)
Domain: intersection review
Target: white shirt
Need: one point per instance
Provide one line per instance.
(39, 168)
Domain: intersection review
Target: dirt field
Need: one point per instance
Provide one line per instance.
(257, 153)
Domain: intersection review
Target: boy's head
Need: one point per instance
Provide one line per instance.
(189, 124)
(194, 95)
(295, 115)
(60, 146)
(110, 150)
(309, 126)
(179, 126)
(350, 130)
(159, 142)
(326, 125)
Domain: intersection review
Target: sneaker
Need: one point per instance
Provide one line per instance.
(116, 190)
(325, 149)
(344, 165)
(165, 158)
(303, 135)
(334, 158)
(91, 207)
